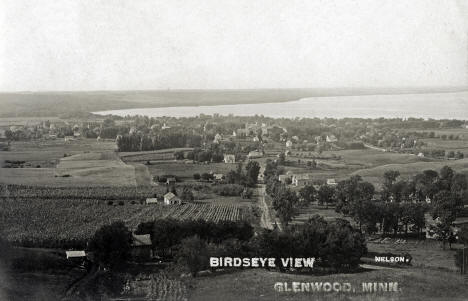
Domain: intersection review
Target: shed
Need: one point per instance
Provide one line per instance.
(151, 200)
(75, 254)
(142, 247)
(171, 199)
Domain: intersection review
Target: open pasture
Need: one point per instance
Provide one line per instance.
(375, 175)
(186, 170)
(415, 284)
(157, 155)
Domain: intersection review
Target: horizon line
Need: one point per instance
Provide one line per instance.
(432, 88)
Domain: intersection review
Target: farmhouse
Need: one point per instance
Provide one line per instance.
(331, 138)
(171, 199)
(229, 158)
(301, 180)
(141, 247)
(217, 138)
(331, 182)
(283, 178)
(218, 177)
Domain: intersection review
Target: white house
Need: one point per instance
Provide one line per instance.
(301, 180)
(331, 138)
(171, 199)
(289, 143)
(217, 138)
(218, 176)
(331, 182)
(282, 178)
(228, 158)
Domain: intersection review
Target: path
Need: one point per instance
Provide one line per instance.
(267, 220)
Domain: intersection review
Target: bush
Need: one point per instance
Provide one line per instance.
(228, 190)
(111, 245)
(196, 176)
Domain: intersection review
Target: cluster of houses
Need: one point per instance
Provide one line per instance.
(49, 130)
(300, 180)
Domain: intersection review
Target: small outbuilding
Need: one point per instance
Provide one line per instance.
(171, 199)
(142, 247)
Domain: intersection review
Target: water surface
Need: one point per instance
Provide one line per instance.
(435, 105)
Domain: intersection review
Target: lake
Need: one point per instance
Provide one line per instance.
(452, 105)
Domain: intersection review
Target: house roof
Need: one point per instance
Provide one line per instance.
(170, 179)
(141, 240)
(302, 177)
(169, 195)
(75, 254)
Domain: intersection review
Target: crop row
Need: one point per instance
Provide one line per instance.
(27, 221)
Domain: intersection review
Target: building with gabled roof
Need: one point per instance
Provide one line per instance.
(171, 199)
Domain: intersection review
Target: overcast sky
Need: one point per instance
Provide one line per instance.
(113, 45)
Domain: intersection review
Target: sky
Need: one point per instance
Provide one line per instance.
(66, 45)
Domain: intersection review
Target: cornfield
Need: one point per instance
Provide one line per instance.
(39, 220)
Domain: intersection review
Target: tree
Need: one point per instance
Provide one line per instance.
(389, 180)
(307, 194)
(111, 245)
(445, 209)
(281, 159)
(463, 235)
(193, 254)
(252, 170)
(326, 195)
(284, 202)
(179, 155)
(187, 194)
(196, 176)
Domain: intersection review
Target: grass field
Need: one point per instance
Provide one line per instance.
(185, 171)
(258, 284)
(84, 169)
(375, 174)
(426, 253)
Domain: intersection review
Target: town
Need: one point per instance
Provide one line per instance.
(170, 193)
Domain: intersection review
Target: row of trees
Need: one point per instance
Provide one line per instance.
(169, 139)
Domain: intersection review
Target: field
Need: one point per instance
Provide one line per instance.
(84, 162)
(185, 171)
(68, 219)
(375, 174)
(328, 213)
(258, 284)
(426, 253)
